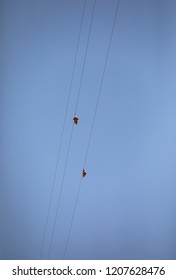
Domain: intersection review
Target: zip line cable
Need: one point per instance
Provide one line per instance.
(99, 93)
(63, 128)
(96, 107)
(87, 45)
(82, 72)
(71, 223)
(60, 193)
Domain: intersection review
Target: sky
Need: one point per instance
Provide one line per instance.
(126, 206)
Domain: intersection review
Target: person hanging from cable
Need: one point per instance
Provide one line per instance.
(84, 173)
(75, 119)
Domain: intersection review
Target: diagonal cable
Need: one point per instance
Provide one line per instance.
(72, 218)
(85, 56)
(60, 193)
(82, 72)
(96, 107)
(62, 132)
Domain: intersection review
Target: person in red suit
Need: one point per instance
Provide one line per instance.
(75, 119)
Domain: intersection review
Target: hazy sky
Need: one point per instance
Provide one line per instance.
(126, 207)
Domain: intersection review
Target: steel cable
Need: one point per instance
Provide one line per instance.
(63, 128)
(93, 121)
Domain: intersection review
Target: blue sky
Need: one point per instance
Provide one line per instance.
(126, 207)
